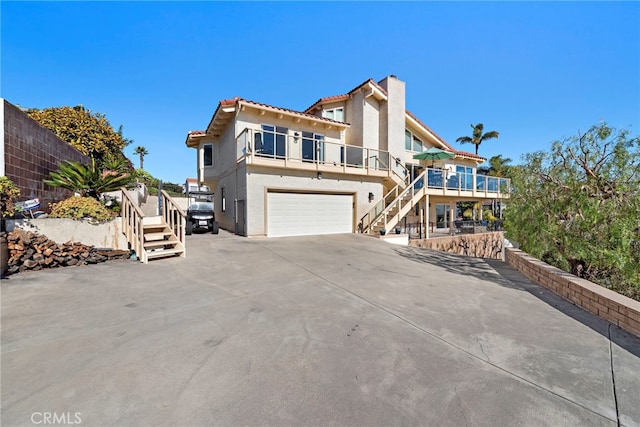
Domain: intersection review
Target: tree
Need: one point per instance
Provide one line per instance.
(478, 137)
(90, 133)
(141, 151)
(576, 207)
(498, 166)
(86, 180)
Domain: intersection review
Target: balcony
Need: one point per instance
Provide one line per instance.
(295, 150)
(304, 152)
(441, 181)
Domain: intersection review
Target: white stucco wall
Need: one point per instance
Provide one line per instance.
(395, 116)
(260, 180)
(61, 230)
(354, 114)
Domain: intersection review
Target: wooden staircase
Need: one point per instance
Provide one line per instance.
(160, 241)
(394, 206)
(154, 237)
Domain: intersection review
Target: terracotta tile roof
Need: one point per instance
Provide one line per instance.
(287, 110)
(344, 96)
(192, 180)
(468, 154)
(197, 132)
(439, 138)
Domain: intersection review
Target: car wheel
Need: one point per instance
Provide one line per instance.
(216, 228)
(188, 229)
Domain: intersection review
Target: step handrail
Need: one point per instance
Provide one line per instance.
(399, 197)
(175, 218)
(362, 226)
(132, 225)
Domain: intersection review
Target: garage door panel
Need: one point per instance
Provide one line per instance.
(300, 214)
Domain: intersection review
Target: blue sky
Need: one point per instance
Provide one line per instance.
(535, 72)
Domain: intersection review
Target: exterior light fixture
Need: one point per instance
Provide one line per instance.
(319, 175)
(370, 197)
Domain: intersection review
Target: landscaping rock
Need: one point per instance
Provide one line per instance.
(30, 251)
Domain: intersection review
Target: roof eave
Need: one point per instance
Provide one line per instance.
(294, 114)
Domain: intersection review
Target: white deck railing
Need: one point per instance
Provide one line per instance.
(294, 151)
(436, 182)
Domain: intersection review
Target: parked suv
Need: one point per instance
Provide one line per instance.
(200, 213)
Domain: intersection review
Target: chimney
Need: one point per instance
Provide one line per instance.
(393, 129)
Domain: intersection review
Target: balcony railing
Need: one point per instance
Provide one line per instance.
(441, 178)
(254, 145)
(294, 151)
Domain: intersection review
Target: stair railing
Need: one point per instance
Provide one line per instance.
(416, 186)
(132, 225)
(175, 218)
(377, 209)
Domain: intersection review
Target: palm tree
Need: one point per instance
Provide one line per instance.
(141, 151)
(87, 180)
(498, 166)
(478, 137)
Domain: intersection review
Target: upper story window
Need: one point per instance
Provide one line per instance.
(336, 114)
(312, 147)
(207, 155)
(271, 141)
(413, 143)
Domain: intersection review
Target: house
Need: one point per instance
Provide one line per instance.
(191, 184)
(343, 165)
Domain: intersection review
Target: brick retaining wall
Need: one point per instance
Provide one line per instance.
(481, 245)
(31, 151)
(611, 306)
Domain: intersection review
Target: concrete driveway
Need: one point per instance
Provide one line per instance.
(315, 331)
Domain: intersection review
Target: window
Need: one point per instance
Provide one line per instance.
(412, 142)
(312, 147)
(224, 200)
(334, 114)
(417, 144)
(272, 142)
(465, 175)
(207, 151)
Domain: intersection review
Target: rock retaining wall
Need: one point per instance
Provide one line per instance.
(482, 245)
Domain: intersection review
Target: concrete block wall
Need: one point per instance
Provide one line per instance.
(482, 245)
(611, 306)
(31, 151)
(107, 235)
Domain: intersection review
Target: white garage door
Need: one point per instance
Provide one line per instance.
(302, 214)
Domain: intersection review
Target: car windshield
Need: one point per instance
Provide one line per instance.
(201, 206)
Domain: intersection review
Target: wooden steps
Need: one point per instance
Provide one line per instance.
(160, 242)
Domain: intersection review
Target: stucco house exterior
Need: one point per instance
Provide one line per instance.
(343, 165)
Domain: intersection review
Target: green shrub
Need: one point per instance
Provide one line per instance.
(9, 193)
(488, 215)
(80, 207)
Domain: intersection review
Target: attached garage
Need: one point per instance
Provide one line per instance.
(304, 214)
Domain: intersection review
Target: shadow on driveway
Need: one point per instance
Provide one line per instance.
(510, 277)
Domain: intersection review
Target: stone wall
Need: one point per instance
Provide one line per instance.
(611, 306)
(482, 245)
(31, 151)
